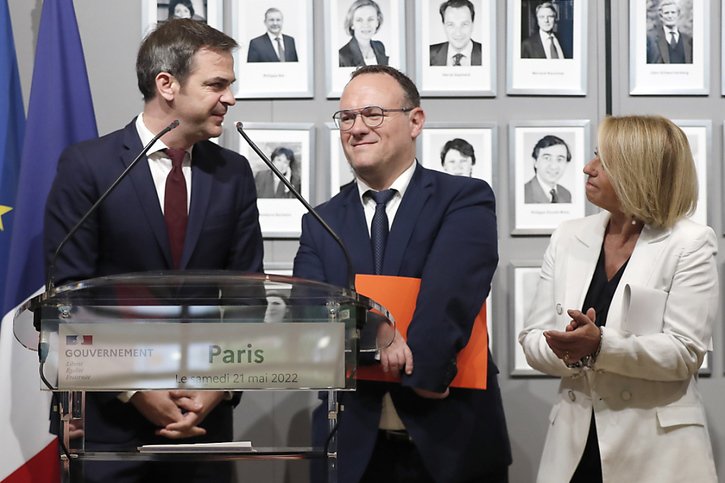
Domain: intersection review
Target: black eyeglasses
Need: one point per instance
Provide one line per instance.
(372, 116)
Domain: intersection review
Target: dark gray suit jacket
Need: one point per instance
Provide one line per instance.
(533, 193)
(262, 50)
(532, 48)
(439, 54)
(658, 48)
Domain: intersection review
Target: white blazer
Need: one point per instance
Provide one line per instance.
(650, 420)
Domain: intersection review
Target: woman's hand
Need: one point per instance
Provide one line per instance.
(581, 337)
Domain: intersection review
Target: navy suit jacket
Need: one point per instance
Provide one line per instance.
(444, 232)
(532, 48)
(128, 234)
(439, 54)
(262, 50)
(350, 54)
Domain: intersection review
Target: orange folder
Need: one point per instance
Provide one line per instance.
(399, 296)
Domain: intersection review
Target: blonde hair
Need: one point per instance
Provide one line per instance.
(650, 166)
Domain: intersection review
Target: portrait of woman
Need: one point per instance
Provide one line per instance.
(623, 313)
(268, 185)
(277, 308)
(362, 22)
(183, 9)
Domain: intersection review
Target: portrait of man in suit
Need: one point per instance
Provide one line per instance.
(544, 42)
(460, 49)
(400, 219)
(458, 157)
(188, 205)
(666, 43)
(551, 156)
(269, 185)
(273, 45)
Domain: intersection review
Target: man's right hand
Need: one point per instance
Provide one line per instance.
(157, 406)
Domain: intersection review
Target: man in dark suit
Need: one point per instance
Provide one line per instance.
(551, 156)
(421, 429)
(544, 43)
(666, 44)
(460, 50)
(272, 46)
(150, 223)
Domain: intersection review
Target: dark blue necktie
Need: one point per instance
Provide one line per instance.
(379, 226)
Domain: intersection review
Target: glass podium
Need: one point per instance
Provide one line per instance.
(214, 330)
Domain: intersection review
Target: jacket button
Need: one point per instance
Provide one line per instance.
(572, 396)
(559, 309)
(626, 395)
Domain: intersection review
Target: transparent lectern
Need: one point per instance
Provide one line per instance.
(201, 331)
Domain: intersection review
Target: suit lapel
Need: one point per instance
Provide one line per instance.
(582, 260)
(355, 232)
(639, 271)
(417, 193)
(145, 190)
(201, 176)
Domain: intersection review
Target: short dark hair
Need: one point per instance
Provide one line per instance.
(547, 142)
(411, 92)
(351, 12)
(460, 145)
(283, 151)
(171, 48)
(174, 3)
(456, 4)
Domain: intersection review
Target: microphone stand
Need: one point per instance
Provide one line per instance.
(301, 199)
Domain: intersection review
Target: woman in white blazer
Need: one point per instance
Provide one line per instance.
(645, 278)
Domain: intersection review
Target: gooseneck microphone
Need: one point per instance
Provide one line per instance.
(50, 281)
(301, 199)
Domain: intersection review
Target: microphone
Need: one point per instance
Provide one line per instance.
(301, 199)
(50, 281)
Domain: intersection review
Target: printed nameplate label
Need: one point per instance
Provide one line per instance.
(172, 355)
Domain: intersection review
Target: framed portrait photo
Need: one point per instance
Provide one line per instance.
(547, 159)
(546, 47)
(275, 54)
(460, 149)
(669, 45)
(362, 32)
(698, 134)
(156, 11)
(523, 279)
(290, 147)
(341, 174)
(456, 48)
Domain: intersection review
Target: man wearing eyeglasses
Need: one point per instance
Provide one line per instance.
(436, 227)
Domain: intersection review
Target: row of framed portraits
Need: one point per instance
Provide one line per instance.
(559, 149)
(529, 69)
(532, 69)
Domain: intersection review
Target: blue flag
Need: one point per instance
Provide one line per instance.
(12, 127)
(60, 113)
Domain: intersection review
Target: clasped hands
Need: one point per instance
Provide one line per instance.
(581, 337)
(178, 413)
(397, 357)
